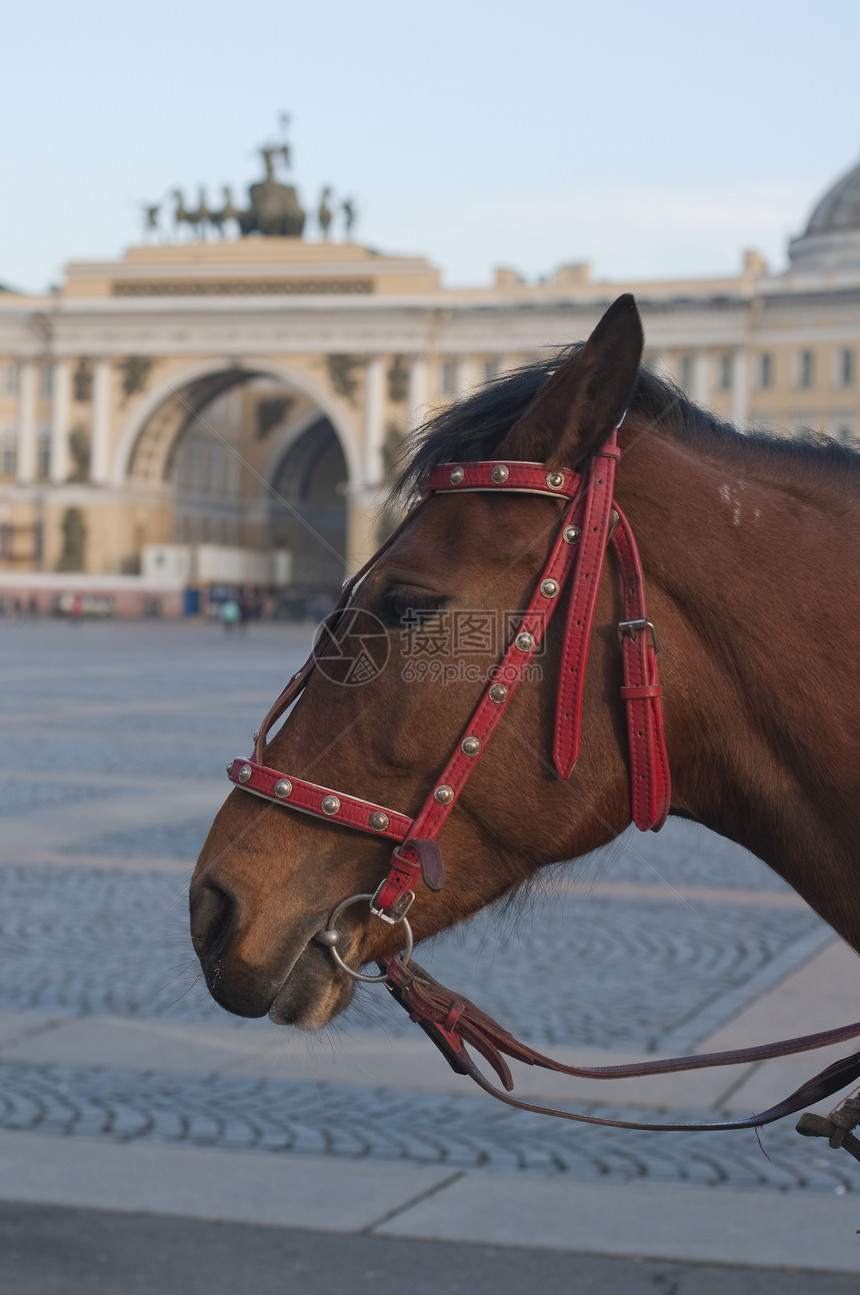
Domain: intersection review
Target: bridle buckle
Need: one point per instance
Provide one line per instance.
(632, 628)
(399, 910)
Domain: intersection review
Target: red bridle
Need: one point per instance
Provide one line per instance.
(589, 522)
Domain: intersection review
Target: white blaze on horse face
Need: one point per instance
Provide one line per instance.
(731, 495)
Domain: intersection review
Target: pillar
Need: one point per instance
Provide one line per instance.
(699, 392)
(100, 443)
(27, 388)
(417, 392)
(374, 421)
(740, 385)
(60, 422)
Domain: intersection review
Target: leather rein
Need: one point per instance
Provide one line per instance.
(590, 522)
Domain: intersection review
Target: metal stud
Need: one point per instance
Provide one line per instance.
(470, 745)
(245, 773)
(549, 588)
(283, 788)
(378, 820)
(256, 735)
(614, 521)
(571, 534)
(330, 804)
(444, 794)
(499, 474)
(457, 475)
(525, 641)
(230, 766)
(499, 693)
(555, 480)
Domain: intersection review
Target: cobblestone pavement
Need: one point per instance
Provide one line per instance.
(463, 1132)
(105, 730)
(650, 975)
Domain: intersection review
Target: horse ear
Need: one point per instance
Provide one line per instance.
(576, 409)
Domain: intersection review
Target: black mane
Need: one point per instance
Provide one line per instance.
(472, 428)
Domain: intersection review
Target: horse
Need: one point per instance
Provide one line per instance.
(750, 547)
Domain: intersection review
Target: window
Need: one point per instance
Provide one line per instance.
(843, 429)
(765, 371)
(846, 365)
(44, 445)
(685, 372)
(8, 451)
(10, 378)
(46, 380)
(806, 369)
(448, 377)
(725, 370)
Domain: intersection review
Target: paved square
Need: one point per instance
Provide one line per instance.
(113, 741)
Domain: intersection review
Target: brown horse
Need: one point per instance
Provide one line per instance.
(750, 548)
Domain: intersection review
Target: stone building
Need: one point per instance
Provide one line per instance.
(226, 410)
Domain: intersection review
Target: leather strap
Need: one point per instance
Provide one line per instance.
(311, 798)
(453, 1023)
(504, 475)
(650, 781)
(596, 516)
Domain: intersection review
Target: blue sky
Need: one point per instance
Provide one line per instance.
(653, 139)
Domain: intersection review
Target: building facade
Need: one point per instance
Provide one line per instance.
(229, 410)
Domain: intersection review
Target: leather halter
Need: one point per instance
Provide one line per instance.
(589, 522)
(576, 558)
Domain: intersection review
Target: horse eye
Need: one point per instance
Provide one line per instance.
(406, 604)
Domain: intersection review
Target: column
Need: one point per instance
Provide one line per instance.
(700, 392)
(27, 387)
(740, 384)
(100, 434)
(60, 422)
(417, 392)
(374, 421)
(465, 375)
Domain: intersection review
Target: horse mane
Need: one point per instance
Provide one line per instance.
(472, 428)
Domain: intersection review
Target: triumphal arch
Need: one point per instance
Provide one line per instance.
(227, 399)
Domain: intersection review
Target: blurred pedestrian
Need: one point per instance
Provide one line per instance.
(230, 614)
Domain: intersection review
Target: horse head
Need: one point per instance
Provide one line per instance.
(458, 569)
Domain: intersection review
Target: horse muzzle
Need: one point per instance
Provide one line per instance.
(294, 980)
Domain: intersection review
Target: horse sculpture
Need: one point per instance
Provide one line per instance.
(750, 548)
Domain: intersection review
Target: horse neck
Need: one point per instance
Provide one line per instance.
(751, 578)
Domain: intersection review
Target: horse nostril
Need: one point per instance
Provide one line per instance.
(212, 913)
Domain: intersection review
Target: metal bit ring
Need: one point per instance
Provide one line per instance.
(330, 936)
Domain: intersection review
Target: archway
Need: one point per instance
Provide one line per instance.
(249, 461)
(308, 508)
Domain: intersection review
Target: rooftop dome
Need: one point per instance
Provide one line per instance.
(831, 241)
(840, 206)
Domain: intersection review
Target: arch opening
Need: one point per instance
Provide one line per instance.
(256, 473)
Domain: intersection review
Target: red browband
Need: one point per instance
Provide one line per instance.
(588, 523)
